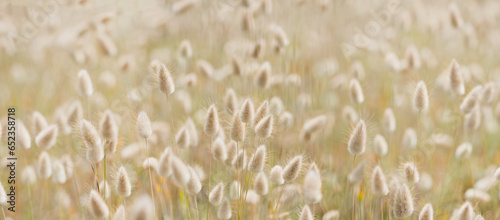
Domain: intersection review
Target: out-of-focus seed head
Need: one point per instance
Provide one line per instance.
(258, 160)
(123, 186)
(237, 128)
(46, 139)
(44, 167)
(380, 145)
(410, 172)
(144, 126)
(261, 185)
(421, 97)
(96, 206)
(85, 87)
(194, 185)
(108, 126)
(427, 212)
(216, 195)
(378, 182)
(389, 121)
(357, 141)
(276, 175)
(265, 127)
(456, 78)
(356, 92)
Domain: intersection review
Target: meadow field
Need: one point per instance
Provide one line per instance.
(250, 109)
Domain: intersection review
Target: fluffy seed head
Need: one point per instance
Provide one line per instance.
(234, 190)
(456, 79)
(192, 132)
(357, 142)
(488, 93)
(241, 160)
(182, 138)
(331, 215)
(237, 128)
(410, 138)
(230, 101)
(427, 212)
(164, 168)
(471, 100)
(456, 19)
(58, 173)
(108, 126)
(356, 175)
(219, 150)
(286, 119)
(379, 185)
(421, 97)
(217, 194)
(193, 187)
(260, 184)
(28, 176)
(265, 127)
(356, 92)
(212, 121)
(292, 169)
(142, 209)
(180, 172)
(463, 150)
(389, 121)
(224, 211)
(276, 175)
(466, 212)
(410, 172)
(263, 76)
(185, 49)
(123, 186)
(119, 213)
(311, 127)
(258, 160)
(380, 145)
(47, 137)
(95, 150)
(96, 206)
(412, 58)
(247, 111)
(473, 119)
(403, 203)
(312, 186)
(260, 113)
(23, 137)
(85, 87)
(44, 169)
(150, 163)
(39, 123)
(165, 81)
(306, 214)
(144, 125)
(232, 153)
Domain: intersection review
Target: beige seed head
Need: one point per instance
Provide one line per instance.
(258, 160)
(44, 169)
(463, 150)
(230, 101)
(389, 121)
(217, 194)
(247, 111)
(205, 68)
(466, 212)
(164, 168)
(455, 16)
(286, 119)
(193, 187)
(403, 203)
(357, 70)
(292, 169)
(488, 93)
(219, 151)
(142, 209)
(23, 137)
(332, 215)
(456, 78)
(410, 138)
(108, 126)
(276, 175)
(58, 173)
(85, 87)
(356, 92)
(265, 127)
(232, 152)
(276, 105)
(165, 81)
(412, 58)
(349, 114)
(192, 132)
(380, 145)
(410, 172)
(47, 137)
(473, 119)
(28, 176)
(263, 77)
(119, 213)
(211, 121)
(234, 190)
(237, 66)
(96, 206)
(110, 148)
(356, 175)
(224, 211)
(106, 44)
(471, 100)
(357, 142)
(241, 160)
(95, 150)
(180, 172)
(237, 128)
(150, 163)
(182, 138)
(123, 186)
(311, 127)
(427, 212)
(144, 125)
(306, 214)
(421, 98)
(312, 185)
(260, 113)
(75, 113)
(39, 123)
(260, 184)
(258, 49)
(379, 185)
(69, 167)
(185, 49)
